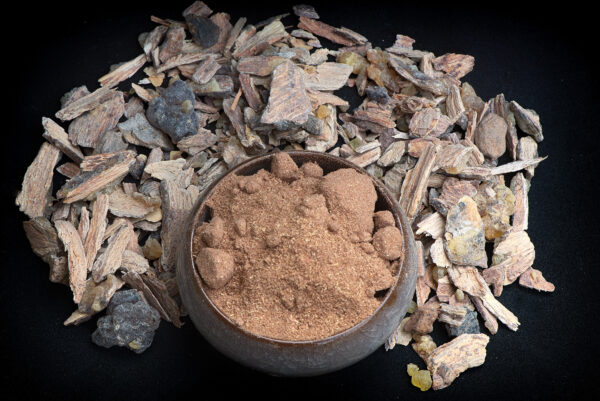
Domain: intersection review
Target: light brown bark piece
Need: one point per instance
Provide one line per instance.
(134, 262)
(176, 205)
(123, 72)
(433, 225)
(135, 205)
(327, 76)
(234, 34)
(469, 280)
(95, 236)
(57, 136)
(206, 70)
(457, 65)
(367, 158)
(76, 257)
(165, 170)
(520, 188)
(68, 169)
(194, 144)
(489, 320)
(161, 292)
(326, 31)
(449, 360)
(527, 149)
(259, 65)
(528, 120)
(289, 105)
(454, 158)
(429, 122)
(515, 253)
(153, 39)
(452, 314)
(89, 182)
(422, 291)
(444, 289)
(273, 32)
(34, 198)
(415, 183)
(250, 92)
(436, 86)
(438, 254)
(85, 103)
(110, 260)
(422, 319)
(97, 296)
(485, 173)
(87, 129)
(84, 223)
(452, 190)
(533, 278)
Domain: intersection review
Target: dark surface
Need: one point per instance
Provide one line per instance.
(541, 60)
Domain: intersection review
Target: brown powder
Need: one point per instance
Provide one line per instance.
(304, 265)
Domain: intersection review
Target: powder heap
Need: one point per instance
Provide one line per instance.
(291, 254)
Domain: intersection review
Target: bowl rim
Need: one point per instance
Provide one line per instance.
(399, 217)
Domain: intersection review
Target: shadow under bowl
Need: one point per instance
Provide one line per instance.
(297, 358)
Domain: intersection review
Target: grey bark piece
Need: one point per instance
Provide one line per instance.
(138, 131)
(130, 322)
(528, 120)
(173, 112)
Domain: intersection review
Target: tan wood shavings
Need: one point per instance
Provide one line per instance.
(533, 278)
(515, 253)
(34, 198)
(89, 182)
(411, 197)
(95, 236)
(271, 33)
(520, 188)
(433, 225)
(68, 169)
(85, 103)
(483, 173)
(57, 136)
(76, 257)
(327, 76)
(123, 72)
(110, 260)
(469, 280)
(84, 224)
(449, 360)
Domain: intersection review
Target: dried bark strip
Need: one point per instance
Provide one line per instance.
(110, 260)
(85, 103)
(449, 360)
(34, 198)
(95, 236)
(412, 195)
(123, 72)
(90, 182)
(57, 136)
(75, 255)
(324, 30)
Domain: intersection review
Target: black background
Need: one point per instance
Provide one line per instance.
(540, 57)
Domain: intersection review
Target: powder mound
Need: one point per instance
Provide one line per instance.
(295, 259)
(350, 197)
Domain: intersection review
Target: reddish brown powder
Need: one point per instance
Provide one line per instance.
(304, 263)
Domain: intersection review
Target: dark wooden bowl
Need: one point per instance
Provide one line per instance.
(297, 358)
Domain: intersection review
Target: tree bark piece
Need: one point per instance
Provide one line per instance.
(57, 136)
(95, 236)
(123, 72)
(110, 260)
(415, 182)
(449, 360)
(77, 261)
(34, 198)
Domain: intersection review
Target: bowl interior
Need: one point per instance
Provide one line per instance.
(328, 163)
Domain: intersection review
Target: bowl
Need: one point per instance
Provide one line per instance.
(297, 358)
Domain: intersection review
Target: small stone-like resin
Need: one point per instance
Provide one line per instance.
(129, 322)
